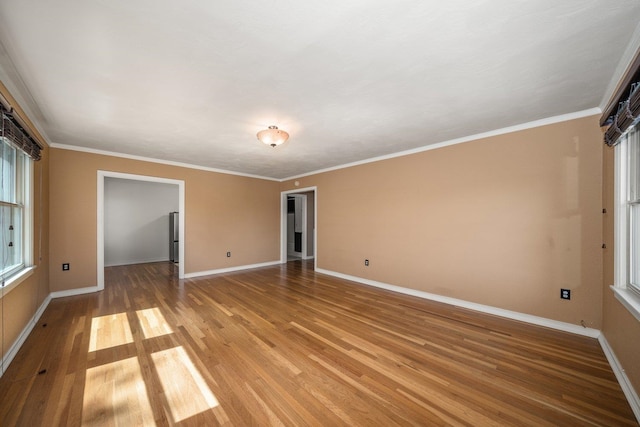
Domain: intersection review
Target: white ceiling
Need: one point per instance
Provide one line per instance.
(194, 81)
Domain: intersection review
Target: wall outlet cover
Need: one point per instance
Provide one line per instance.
(565, 293)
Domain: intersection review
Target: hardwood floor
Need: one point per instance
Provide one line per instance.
(287, 346)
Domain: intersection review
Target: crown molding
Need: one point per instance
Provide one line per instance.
(502, 131)
(152, 160)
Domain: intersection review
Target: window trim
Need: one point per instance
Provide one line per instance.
(12, 282)
(629, 300)
(628, 297)
(27, 267)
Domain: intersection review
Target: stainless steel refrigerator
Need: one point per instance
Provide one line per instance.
(174, 237)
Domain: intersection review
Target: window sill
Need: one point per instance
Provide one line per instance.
(15, 280)
(630, 300)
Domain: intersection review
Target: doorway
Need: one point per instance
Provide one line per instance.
(297, 234)
(298, 238)
(137, 221)
(102, 177)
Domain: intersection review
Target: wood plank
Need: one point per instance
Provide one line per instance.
(284, 345)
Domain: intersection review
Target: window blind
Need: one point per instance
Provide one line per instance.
(17, 135)
(627, 115)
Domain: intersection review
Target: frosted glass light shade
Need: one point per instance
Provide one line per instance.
(273, 136)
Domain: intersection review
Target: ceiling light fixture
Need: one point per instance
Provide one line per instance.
(273, 136)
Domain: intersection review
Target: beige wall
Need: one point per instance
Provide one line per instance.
(619, 327)
(223, 213)
(22, 302)
(504, 221)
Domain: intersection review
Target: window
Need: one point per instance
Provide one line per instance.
(15, 218)
(633, 208)
(627, 221)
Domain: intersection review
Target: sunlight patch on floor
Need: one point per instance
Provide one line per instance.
(109, 331)
(186, 391)
(153, 323)
(115, 394)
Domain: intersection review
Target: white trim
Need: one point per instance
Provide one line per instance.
(100, 230)
(19, 272)
(147, 261)
(283, 223)
(514, 315)
(621, 69)
(16, 87)
(621, 376)
(620, 215)
(152, 160)
(13, 281)
(29, 212)
(230, 269)
(523, 126)
(100, 215)
(13, 350)
(303, 215)
(502, 131)
(283, 228)
(74, 292)
(305, 231)
(629, 300)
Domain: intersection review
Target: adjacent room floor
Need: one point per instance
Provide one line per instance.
(284, 345)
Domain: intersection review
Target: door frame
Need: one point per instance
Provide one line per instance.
(102, 175)
(303, 215)
(283, 223)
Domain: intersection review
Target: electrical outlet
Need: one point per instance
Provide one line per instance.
(366, 262)
(228, 254)
(65, 266)
(565, 293)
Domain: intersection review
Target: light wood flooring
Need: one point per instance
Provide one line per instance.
(287, 346)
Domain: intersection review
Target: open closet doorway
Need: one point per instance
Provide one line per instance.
(298, 225)
(124, 225)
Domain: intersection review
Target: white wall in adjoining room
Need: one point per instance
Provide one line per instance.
(136, 220)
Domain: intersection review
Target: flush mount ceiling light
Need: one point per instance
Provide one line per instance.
(273, 136)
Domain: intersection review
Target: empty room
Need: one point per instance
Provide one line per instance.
(339, 213)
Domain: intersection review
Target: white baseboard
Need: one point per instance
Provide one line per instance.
(514, 315)
(618, 370)
(73, 292)
(11, 353)
(230, 269)
(147, 261)
(621, 376)
(623, 380)
(308, 257)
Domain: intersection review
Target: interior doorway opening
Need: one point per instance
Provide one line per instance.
(137, 222)
(298, 225)
(102, 177)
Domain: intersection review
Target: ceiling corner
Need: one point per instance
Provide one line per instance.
(631, 52)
